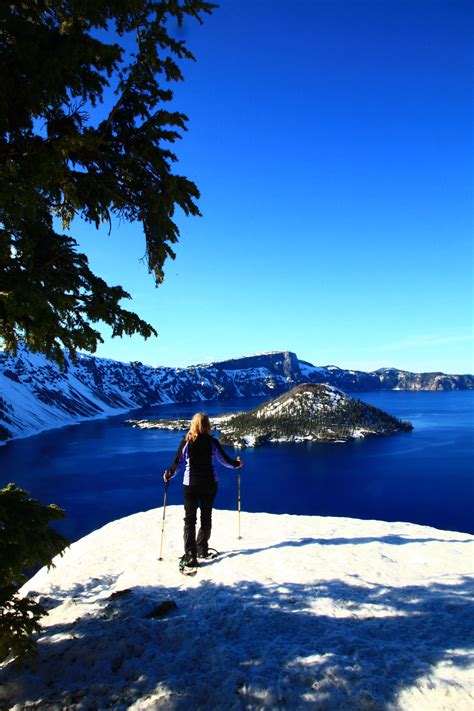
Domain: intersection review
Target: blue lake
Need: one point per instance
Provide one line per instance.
(102, 470)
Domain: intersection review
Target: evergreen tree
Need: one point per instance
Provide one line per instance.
(57, 162)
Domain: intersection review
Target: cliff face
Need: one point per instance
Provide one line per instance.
(35, 394)
(283, 363)
(392, 379)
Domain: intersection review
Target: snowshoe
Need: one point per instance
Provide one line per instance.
(208, 555)
(188, 564)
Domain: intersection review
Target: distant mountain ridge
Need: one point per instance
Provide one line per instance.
(35, 394)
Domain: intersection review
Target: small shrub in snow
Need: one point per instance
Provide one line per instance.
(26, 542)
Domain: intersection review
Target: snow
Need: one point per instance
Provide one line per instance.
(359, 432)
(302, 612)
(308, 369)
(29, 415)
(327, 396)
(43, 397)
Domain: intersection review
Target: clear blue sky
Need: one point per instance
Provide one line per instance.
(332, 143)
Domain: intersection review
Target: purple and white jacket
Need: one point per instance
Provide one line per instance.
(199, 459)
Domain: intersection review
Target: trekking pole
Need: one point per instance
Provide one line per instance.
(163, 524)
(238, 500)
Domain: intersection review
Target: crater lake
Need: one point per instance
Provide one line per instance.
(102, 470)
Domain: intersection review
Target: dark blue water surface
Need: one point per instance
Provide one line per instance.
(102, 470)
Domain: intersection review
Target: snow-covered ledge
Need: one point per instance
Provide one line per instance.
(302, 612)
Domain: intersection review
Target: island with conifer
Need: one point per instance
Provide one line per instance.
(308, 412)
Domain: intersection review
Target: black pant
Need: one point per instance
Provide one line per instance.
(198, 495)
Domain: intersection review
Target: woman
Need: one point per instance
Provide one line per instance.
(198, 453)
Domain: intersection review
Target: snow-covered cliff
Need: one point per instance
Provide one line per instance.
(305, 612)
(35, 394)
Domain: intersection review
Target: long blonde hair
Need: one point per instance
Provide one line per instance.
(199, 425)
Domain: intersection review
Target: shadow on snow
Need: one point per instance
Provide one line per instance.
(250, 646)
(394, 540)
